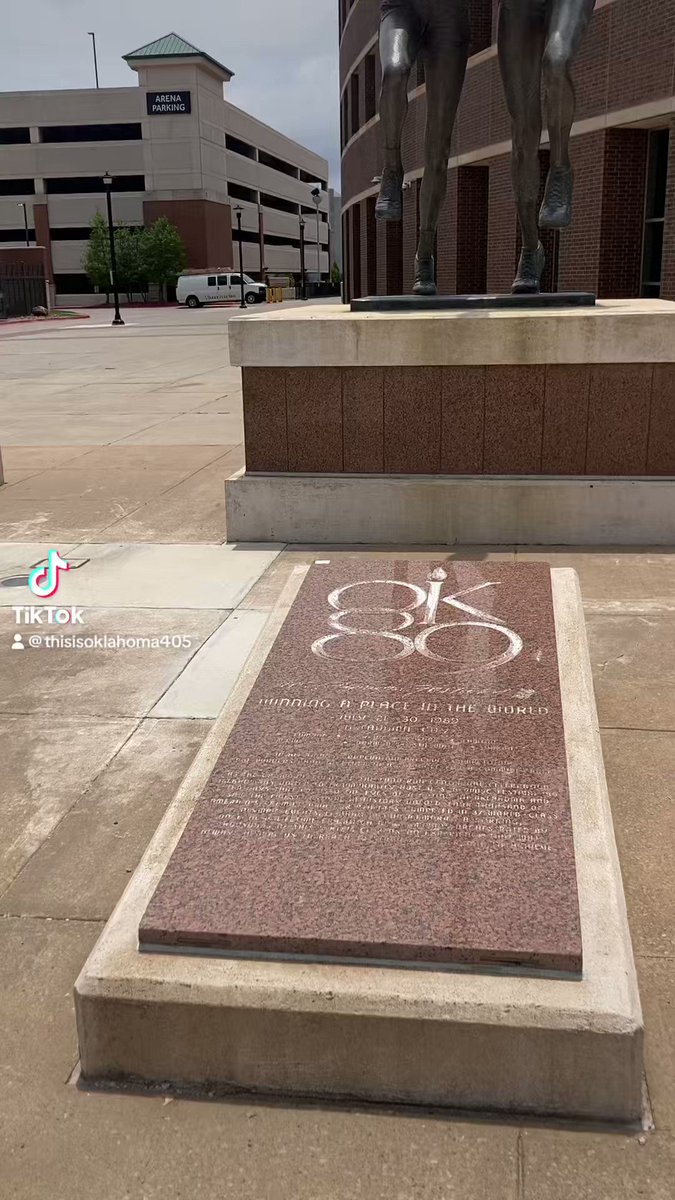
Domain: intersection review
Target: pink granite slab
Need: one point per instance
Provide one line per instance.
(393, 794)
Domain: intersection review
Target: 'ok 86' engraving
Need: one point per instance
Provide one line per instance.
(421, 614)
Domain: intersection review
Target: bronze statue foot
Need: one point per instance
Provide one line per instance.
(425, 277)
(389, 205)
(530, 271)
(556, 211)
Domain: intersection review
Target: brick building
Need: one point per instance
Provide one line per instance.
(623, 150)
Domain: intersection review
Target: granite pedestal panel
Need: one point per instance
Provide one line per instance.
(466, 1030)
(565, 398)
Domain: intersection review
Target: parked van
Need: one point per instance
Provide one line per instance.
(195, 290)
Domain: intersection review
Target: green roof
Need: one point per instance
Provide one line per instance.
(173, 46)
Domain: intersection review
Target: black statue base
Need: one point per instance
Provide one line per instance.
(446, 303)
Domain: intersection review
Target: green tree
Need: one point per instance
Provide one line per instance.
(335, 275)
(130, 254)
(164, 254)
(96, 261)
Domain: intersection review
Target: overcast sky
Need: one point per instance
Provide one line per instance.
(284, 53)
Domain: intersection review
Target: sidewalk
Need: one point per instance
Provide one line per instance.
(116, 454)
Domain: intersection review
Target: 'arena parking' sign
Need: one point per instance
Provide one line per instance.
(166, 103)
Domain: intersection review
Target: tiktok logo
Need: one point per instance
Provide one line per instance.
(423, 609)
(44, 581)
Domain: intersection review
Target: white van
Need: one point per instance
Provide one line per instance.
(195, 290)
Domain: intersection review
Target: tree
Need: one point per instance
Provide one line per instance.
(96, 261)
(164, 254)
(335, 275)
(130, 254)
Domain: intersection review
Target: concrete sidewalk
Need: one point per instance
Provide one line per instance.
(106, 459)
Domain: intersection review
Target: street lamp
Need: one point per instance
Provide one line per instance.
(238, 211)
(20, 204)
(107, 183)
(303, 279)
(316, 197)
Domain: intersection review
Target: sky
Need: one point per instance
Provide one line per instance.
(284, 53)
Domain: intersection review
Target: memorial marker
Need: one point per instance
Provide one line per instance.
(395, 788)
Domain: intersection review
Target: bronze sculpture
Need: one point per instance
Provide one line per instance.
(537, 41)
(437, 30)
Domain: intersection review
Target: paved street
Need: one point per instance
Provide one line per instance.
(116, 444)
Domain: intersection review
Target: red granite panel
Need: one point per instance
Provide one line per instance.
(565, 420)
(462, 421)
(265, 431)
(661, 451)
(363, 419)
(395, 788)
(412, 420)
(514, 419)
(618, 419)
(314, 406)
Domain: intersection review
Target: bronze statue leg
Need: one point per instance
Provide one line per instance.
(567, 24)
(445, 68)
(399, 47)
(521, 40)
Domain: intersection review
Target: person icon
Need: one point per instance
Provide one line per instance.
(17, 644)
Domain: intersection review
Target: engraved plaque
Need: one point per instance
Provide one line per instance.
(395, 788)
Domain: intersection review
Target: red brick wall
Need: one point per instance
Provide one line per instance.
(668, 277)
(205, 227)
(580, 245)
(627, 58)
(502, 244)
(43, 235)
(623, 212)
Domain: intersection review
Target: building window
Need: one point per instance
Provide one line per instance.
(16, 235)
(305, 177)
(238, 192)
(73, 285)
(355, 104)
(92, 133)
(17, 187)
(655, 212)
(15, 136)
(75, 184)
(71, 234)
(236, 145)
(277, 202)
(370, 87)
(277, 164)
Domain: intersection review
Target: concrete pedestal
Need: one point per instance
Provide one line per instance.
(554, 425)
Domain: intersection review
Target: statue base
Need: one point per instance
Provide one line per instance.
(449, 303)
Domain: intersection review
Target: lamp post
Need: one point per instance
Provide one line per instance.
(93, 42)
(238, 211)
(303, 277)
(316, 197)
(21, 204)
(107, 183)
